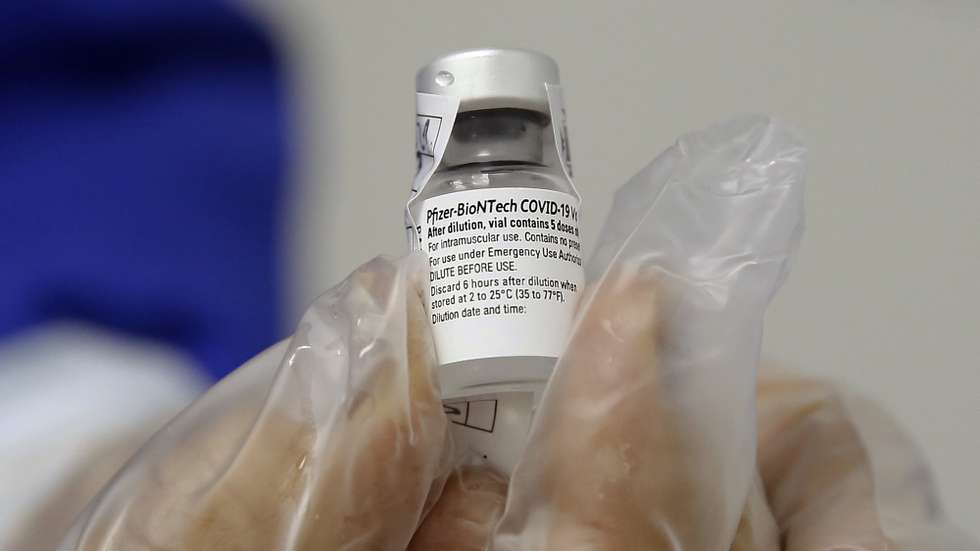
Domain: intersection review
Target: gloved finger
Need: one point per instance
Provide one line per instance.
(608, 456)
(841, 475)
(757, 530)
(645, 437)
(471, 503)
(617, 470)
(341, 449)
(815, 468)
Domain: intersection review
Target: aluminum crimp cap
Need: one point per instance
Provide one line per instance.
(491, 78)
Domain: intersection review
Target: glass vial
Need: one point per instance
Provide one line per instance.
(497, 217)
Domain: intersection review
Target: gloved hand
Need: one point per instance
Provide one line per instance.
(646, 437)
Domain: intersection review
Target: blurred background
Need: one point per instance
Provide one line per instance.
(182, 178)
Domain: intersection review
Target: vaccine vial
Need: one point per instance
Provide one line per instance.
(496, 213)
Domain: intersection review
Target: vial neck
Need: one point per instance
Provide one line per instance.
(495, 137)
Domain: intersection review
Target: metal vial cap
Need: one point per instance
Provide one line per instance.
(491, 78)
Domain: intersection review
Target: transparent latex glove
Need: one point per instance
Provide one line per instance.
(333, 440)
(650, 410)
(646, 437)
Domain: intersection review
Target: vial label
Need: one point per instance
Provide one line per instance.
(479, 414)
(556, 105)
(434, 120)
(505, 271)
(491, 429)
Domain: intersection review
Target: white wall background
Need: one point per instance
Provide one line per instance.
(886, 294)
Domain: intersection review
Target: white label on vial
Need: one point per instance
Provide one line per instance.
(479, 414)
(505, 271)
(434, 119)
(556, 105)
(491, 429)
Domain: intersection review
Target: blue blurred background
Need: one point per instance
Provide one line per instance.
(142, 157)
(142, 162)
